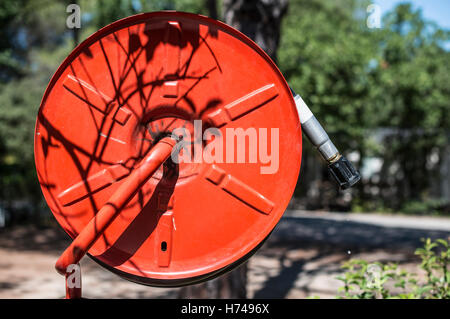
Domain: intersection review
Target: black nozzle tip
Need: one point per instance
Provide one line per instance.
(344, 173)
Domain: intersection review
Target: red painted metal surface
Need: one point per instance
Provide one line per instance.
(157, 155)
(115, 96)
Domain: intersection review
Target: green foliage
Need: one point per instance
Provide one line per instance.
(112, 10)
(357, 80)
(42, 46)
(18, 110)
(108, 11)
(429, 207)
(325, 53)
(412, 81)
(364, 280)
(11, 54)
(435, 262)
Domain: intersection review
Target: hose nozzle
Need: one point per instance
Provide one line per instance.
(344, 172)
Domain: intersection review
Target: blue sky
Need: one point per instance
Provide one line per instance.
(436, 10)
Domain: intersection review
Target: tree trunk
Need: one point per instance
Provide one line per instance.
(232, 285)
(260, 20)
(211, 5)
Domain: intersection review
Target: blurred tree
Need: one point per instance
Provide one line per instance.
(413, 80)
(212, 8)
(357, 79)
(12, 53)
(32, 45)
(260, 20)
(109, 11)
(325, 54)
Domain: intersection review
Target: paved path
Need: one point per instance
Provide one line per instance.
(384, 220)
(301, 258)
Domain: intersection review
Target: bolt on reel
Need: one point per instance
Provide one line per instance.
(108, 149)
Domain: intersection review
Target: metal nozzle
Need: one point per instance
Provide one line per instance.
(344, 173)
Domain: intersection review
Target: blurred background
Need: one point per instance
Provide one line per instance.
(376, 75)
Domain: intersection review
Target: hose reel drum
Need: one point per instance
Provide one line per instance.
(104, 148)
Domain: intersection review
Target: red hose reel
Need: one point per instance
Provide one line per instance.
(102, 146)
